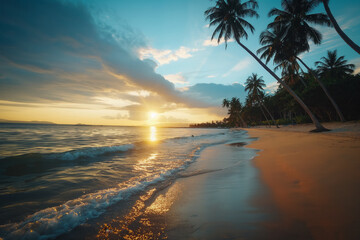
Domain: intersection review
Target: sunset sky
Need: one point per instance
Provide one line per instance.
(138, 62)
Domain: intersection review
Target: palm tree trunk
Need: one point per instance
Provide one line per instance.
(319, 127)
(272, 118)
(338, 29)
(301, 79)
(267, 120)
(243, 122)
(341, 116)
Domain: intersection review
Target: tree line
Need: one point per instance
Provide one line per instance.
(284, 40)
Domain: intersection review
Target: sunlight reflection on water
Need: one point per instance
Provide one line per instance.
(142, 222)
(153, 135)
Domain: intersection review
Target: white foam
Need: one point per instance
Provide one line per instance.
(90, 152)
(52, 222)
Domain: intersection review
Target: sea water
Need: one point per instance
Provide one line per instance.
(54, 178)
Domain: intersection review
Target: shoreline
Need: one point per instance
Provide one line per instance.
(294, 189)
(313, 179)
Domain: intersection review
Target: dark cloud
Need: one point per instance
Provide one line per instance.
(53, 51)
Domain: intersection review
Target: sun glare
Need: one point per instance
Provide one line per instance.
(153, 115)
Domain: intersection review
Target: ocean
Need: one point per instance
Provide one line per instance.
(55, 178)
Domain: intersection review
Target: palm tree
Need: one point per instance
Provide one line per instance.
(235, 108)
(334, 66)
(229, 15)
(337, 27)
(281, 52)
(295, 24)
(254, 85)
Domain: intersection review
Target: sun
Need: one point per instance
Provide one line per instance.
(153, 115)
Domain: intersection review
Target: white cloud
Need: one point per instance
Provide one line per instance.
(176, 78)
(241, 65)
(356, 62)
(166, 56)
(211, 76)
(115, 102)
(141, 93)
(214, 42)
(271, 87)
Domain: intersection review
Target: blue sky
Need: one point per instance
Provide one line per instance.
(170, 25)
(113, 62)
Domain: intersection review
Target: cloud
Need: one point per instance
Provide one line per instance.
(119, 115)
(176, 78)
(55, 52)
(214, 42)
(356, 62)
(166, 56)
(272, 87)
(241, 65)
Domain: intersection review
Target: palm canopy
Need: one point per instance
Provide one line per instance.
(295, 20)
(234, 107)
(254, 85)
(332, 65)
(290, 71)
(228, 16)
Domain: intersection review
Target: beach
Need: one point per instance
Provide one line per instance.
(300, 185)
(313, 178)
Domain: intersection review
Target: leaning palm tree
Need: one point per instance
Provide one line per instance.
(235, 108)
(349, 42)
(295, 22)
(254, 85)
(228, 17)
(282, 53)
(335, 66)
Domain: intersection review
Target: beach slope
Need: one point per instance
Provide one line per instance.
(314, 181)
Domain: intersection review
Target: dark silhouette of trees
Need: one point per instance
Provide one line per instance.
(228, 17)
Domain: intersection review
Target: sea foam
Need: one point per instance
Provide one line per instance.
(90, 152)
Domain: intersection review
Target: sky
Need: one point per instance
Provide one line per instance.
(139, 62)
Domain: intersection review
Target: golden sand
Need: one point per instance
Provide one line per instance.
(314, 179)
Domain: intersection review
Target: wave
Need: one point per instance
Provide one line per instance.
(197, 136)
(40, 162)
(89, 152)
(54, 221)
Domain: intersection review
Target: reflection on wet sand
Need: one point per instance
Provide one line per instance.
(146, 219)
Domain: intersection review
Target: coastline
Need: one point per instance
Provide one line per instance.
(313, 179)
(305, 187)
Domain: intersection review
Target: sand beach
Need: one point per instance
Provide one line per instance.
(300, 185)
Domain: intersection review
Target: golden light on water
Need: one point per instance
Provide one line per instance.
(153, 134)
(143, 221)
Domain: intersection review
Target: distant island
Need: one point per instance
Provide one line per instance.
(25, 122)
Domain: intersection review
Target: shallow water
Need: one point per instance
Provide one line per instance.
(54, 178)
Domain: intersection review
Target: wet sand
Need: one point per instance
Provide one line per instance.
(314, 180)
(225, 202)
(304, 186)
